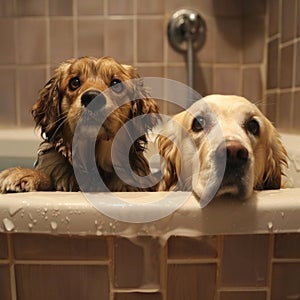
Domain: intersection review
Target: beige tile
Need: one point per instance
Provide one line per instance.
(178, 74)
(61, 282)
(297, 65)
(284, 111)
(137, 263)
(173, 56)
(7, 8)
(42, 247)
(5, 282)
(285, 281)
(286, 67)
(3, 246)
(150, 49)
(271, 107)
(29, 82)
(150, 71)
(298, 19)
(227, 80)
(273, 6)
(119, 40)
(138, 296)
(90, 37)
(120, 7)
(146, 7)
(207, 53)
(31, 41)
(252, 84)
(61, 33)
(245, 260)
(202, 6)
(61, 8)
(31, 7)
(288, 20)
(296, 119)
(90, 7)
(7, 46)
(8, 97)
(253, 39)
(272, 64)
(191, 281)
(229, 40)
(243, 295)
(189, 248)
(287, 245)
(228, 8)
(203, 80)
(254, 7)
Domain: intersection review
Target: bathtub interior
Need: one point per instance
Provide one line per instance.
(18, 148)
(50, 241)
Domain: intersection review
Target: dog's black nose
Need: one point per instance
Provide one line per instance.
(236, 153)
(90, 95)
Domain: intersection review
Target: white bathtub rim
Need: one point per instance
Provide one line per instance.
(275, 211)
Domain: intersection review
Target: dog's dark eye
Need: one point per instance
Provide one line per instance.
(74, 83)
(199, 124)
(252, 126)
(117, 85)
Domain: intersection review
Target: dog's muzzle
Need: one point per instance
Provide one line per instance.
(236, 165)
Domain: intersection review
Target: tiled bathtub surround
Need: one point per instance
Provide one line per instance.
(235, 267)
(38, 34)
(283, 64)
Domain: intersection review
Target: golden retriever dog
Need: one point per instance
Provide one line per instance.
(221, 145)
(75, 84)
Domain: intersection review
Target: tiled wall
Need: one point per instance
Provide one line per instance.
(38, 34)
(233, 267)
(283, 65)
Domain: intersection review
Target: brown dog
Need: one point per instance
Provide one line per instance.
(61, 103)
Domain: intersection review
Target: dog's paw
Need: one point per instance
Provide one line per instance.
(23, 180)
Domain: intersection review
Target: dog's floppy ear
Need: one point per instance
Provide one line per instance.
(46, 110)
(144, 103)
(276, 159)
(171, 160)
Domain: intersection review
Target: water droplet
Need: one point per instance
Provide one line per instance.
(30, 225)
(282, 214)
(270, 225)
(30, 216)
(99, 233)
(8, 224)
(14, 209)
(53, 225)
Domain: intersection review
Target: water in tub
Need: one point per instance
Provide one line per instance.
(18, 147)
(291, 142)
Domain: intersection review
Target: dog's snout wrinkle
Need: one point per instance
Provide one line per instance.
(90, 95)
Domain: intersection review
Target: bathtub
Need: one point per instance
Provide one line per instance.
(56, 245)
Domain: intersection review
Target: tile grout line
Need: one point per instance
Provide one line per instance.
(270, 265)
(220, 250)
(111, 267)
(164, 270)
(12, 272)
(75, 27)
